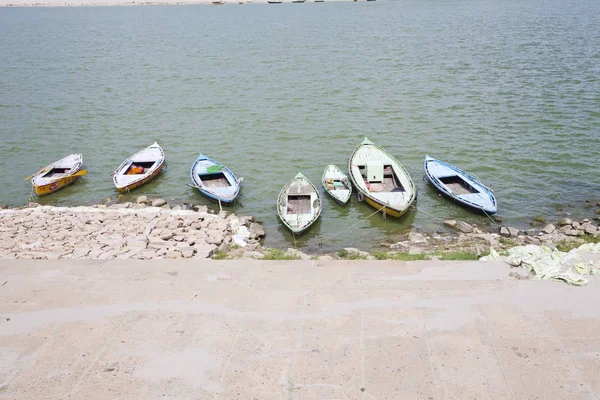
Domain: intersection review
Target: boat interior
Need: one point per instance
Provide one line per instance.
(298, 204)
(337, 184)
(384, 181)
(216, 180)
(457, 185)
(56, 172)
(133, 169)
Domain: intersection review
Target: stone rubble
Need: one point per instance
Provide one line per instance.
(119, 231)
(468, 238)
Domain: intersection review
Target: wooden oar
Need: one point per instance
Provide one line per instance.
(80, 173)
(32, 175)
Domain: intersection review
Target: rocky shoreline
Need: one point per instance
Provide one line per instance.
(147, 229)
(152, 229)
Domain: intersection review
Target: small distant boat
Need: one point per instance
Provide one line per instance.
(58, 175)
(299, 204)
(336, 183)
(214, 180)
(217, 2)
(298, 1)
(319, 1)
(139, 168)
(381, 180)
(274, 1)
(459, 185)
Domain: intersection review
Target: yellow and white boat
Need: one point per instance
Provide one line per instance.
(58, 174)
(381, 180)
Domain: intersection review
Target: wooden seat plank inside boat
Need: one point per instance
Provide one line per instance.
(457, 186)
(298, 204)
(300, 189)
(215, 180)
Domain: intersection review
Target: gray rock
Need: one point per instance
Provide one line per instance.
(565, 221)
(298, 254)
(159, 202)
(176, 208)
(199, 208)
(415, 237)
(166, 236)
(550, 228)
(573, 232)
(464, 227)
(402, 246)
(203, 249)
(532, 240)
(256, 230)
(179, 238)
(591, 229)
(509, 232)
(451, 223)
(353, 250)
(575, 224)
(137, 244)
(257, 255)
(214, 237)
(173, 254)
(148, 254)
(141, 200)
(187, 253)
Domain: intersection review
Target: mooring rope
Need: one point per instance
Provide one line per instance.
(490, 217)
(359, 222)
(426, 213)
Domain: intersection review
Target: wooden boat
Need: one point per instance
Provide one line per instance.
(139, 168)
(460, 186)
(299, 204)
(214, 180)
(336, 183)
(381, 180)
(58, 174)
(217, 2)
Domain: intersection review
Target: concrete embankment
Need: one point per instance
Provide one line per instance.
(248, 329)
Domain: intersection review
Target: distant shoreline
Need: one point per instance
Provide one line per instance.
(111, 3)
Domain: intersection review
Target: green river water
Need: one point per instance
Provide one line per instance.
(507, 90)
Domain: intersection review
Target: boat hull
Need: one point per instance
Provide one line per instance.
(330, 176)
(399, 197)
(153, 155)
(481, 199)
(54, 186)
(124, 189)
(385, 209)
(223, 195)
(299, 221)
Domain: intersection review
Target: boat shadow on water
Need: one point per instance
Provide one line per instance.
(303, 240)
(61, 197)
(149, 189)
(379, 220)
